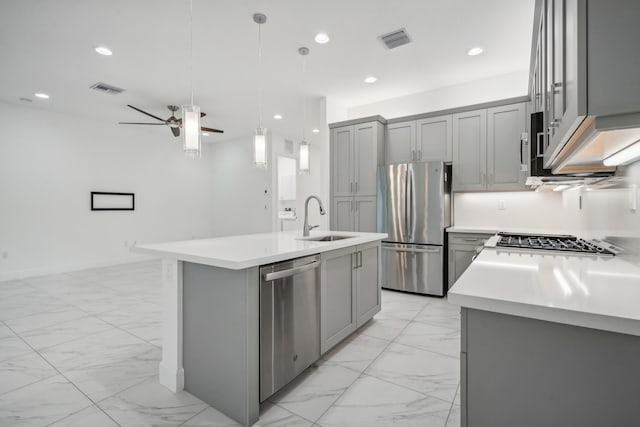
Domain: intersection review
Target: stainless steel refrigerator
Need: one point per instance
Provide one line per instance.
(414, 210)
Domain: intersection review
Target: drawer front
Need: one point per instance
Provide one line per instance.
(475, 239)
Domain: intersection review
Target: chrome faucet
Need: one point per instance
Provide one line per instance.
(307, 227)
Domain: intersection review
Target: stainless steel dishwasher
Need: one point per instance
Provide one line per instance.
(289, 321)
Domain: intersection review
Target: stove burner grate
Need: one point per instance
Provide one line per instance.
(562, 243)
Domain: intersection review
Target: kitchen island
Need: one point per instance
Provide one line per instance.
(211, 299)
(549, 340)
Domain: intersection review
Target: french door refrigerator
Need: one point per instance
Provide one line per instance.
(414, 210)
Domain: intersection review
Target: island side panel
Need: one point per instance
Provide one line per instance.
(526, 372)
(171, 373)
(221, 338)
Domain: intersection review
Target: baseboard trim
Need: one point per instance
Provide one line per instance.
(171, 379)
(34, 272)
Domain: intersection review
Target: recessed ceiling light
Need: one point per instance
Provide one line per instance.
(370, 79)
(41, 95)
(316, 131)
(475, 51)
(277, 116)
(321, 38)
(102, 50)
(205, 134)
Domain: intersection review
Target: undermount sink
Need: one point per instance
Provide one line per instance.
(329, 238)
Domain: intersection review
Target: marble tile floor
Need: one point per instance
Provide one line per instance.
(82, 349)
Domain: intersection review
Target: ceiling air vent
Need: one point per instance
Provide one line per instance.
(103, 87)
(395, 38)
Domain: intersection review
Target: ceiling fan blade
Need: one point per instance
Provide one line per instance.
(211, 130)
(144, 112)
(175, 131)
(134, 123)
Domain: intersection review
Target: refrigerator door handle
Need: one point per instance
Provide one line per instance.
(406, 204)
(411, 198)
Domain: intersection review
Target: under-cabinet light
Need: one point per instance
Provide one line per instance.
(624, 156)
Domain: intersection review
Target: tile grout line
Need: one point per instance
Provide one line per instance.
(367, 367)
(195, 415)
(68, 380)
(451, 407)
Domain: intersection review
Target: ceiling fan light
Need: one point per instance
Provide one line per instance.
(303, 159)
(191, 131)
(260, 148)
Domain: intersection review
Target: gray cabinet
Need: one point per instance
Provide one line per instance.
(490, 149)
(434, 136)
(423, 140)
(469, 151)
(507, 148)
(355, 153)
(368, 282)
(462, 249)
(400, 142)
(350, 291)
(338, 296)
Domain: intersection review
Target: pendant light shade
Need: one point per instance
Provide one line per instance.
(260, 148)
(303, 158)
(191, 131)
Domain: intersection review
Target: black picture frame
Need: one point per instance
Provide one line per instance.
(116, 207)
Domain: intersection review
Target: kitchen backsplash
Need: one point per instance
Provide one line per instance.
(604, 213)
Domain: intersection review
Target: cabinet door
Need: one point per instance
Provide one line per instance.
(342, 214)
(460, 258)
(401, 142)
(506, 150)
(434, 139)
(338, 296)
(469, 150)
(366, 158)
(368, 284)
(365, 214)
(342, 176)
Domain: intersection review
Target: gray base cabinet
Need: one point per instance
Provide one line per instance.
(516, 371)
(462, 249)
(350, 291)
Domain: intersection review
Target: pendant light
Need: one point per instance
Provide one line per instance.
(191, 113)
(260, 137)
(303, 155)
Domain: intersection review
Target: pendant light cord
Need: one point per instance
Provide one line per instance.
(304, 104)
(260, 76)
(191, 46)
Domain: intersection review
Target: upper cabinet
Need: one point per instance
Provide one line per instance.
(423, 140)
(585, 81)
(490, 149)
(356, 151)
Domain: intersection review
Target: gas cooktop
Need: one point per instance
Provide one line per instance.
(559, 243)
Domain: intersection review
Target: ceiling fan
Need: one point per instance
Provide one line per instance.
(174, 123)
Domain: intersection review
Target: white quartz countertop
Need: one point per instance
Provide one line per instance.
(589, 291)
(250, 250)
(496, 229)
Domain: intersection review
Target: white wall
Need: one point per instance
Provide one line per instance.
(492, 89)
(49, 163)
(547, 211)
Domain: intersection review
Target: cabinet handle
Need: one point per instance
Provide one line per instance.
(357, 186)
(356, 205)
(469, 239)
(351, 205)
(539, 152)
(354, 260)
(419, 154)
(359, 259)
(351, 187)
(521, 146)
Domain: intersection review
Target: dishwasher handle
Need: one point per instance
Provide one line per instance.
(291, 271)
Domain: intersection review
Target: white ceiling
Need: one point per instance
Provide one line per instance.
(48, 46)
